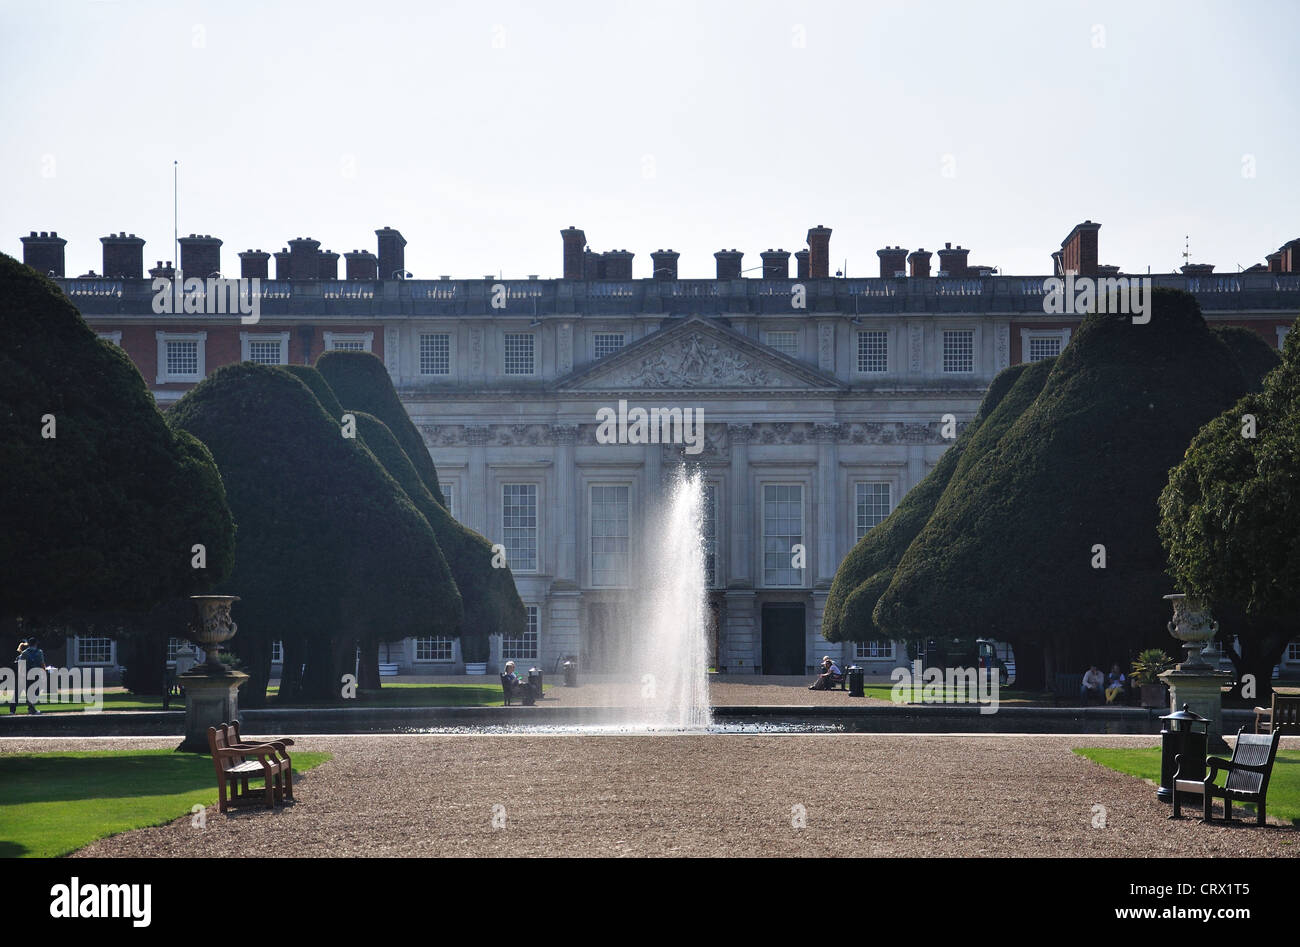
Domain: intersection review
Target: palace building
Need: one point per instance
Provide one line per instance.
(820, 402)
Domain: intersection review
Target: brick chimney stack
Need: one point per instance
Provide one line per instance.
(920, 263)
(253, 264)
(665, 264)
(1079, 250)
(952, 260)
(801, 264)
(304, 259)
(123, 256)
(819, 252)
(329, 265)
(593, 265)
(361, 264)
(776, 264)
(392, 254)
(200, 255)
(575, 241)
(163, 271)
(283, 270)
(43, 252)
(893, 260)
(618, 264)
(729, 263)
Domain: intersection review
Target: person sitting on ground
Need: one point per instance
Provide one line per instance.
(1115, 684)
(1093, 686)
(830, 676)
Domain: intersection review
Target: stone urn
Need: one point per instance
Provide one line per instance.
(210, 627)
(1193, 626)
(211, 688)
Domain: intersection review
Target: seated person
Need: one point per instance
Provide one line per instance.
(1093, 685)
(1116, 683)
(510, 680)
(830, 676)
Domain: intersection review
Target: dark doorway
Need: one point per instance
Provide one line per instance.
(783, 638)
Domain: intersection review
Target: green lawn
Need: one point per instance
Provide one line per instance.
(55, 803)
(886, 692)
(1283, 785)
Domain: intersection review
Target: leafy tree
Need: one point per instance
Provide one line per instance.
(361, 383)
(1230, 519)
(103, 504)
(330, 548)
(1050, 540)
(492, 603)
(867, 569)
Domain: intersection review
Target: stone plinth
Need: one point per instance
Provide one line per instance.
(210, 699)
(1200, 688)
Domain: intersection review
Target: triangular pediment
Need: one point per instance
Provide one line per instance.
(698, 355)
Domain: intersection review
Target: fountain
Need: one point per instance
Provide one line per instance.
(666, 651)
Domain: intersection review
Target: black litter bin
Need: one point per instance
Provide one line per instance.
(570, 673)
(535, 682)
(855, 682)
(1180, 737)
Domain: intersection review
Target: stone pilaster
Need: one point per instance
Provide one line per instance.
(740, 649)
(741, 508)
(827, 518)
(476, 514)
(565, 436)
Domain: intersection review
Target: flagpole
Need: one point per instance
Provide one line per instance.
(176, 255)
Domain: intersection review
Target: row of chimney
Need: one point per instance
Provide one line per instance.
(582, 263)
(302, 259)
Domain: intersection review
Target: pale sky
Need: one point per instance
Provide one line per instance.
(480, 129)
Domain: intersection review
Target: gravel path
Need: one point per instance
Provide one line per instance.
(729, 795)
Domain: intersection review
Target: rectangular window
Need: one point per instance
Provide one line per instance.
(959, 351)
(610, 521)
(871, 502)
(348, 345)
(93, 650)
(873, 351)
(519, 525)
(1293, 651)
(436, 648)
(518, 353)
(265, 351)
(709, 526)
(525, 648)
(783, 340)
(607, 343)
(449, 494)
(873, 650)
(435, 353)
(183, 358)
(1043, 346)
(348, 341)
(174, 645)
(277, 652)
(782, 531)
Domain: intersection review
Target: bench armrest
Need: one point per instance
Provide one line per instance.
(258, 750)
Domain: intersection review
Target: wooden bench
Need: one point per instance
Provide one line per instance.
(1284, 713)
(236, 761)
(1248, 774)
(1066, 687)
(523, 688)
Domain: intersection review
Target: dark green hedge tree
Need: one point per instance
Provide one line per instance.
(1013, 548)
(492, 603)
(361, 383)
(330, 549)
(105, 514)
(1230, 520)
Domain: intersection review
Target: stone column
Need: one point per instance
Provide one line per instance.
(740, 509)
(476, 512)
(742, 644)
(565, 436)
(827, 503)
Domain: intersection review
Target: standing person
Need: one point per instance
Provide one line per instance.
(29, 656)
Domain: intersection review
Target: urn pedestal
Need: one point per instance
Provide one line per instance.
(211, 688)
(1196, 682)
